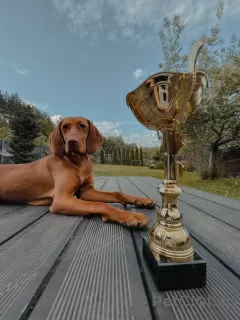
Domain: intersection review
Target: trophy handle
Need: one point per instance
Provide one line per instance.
(194, 52)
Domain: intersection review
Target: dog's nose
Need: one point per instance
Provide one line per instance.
(73, 143)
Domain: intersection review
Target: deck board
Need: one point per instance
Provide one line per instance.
(218, 300)
(97, 278)
(220, 238)
(27, 258)
(7, 208)
(222, 288)
(11, 223)
(222, 208)
(221, 200)
(66, 267)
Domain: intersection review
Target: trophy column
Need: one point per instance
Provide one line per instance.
(168, 240)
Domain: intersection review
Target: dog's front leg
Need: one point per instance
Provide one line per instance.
(72, 206)
(91, 194)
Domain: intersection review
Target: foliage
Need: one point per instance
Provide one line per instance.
(102, 157)
(148, 152)
(216, 124)
(132, 155)
(25, 130)
(110, 143)
(117, 151)
(127, 157)
(45, 126)
(136, 154)
(159, 154)
(141, 157)
(170, 39)
(156, 156)
(5, 131)
(188, 166)
(41, 140)
(159, 165)
(9, 105)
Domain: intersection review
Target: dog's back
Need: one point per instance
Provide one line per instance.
(25, 182)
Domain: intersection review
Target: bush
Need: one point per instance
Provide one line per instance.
(159, 165)
(188, 166)
(206, 173)
(151, 166)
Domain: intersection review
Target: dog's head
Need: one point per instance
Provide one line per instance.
(75, 136)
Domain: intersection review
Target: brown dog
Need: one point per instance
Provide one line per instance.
(56, 179)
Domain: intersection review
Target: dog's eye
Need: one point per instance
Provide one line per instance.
(65, 126)
(82, 125)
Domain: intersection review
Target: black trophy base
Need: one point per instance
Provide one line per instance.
(173, 275)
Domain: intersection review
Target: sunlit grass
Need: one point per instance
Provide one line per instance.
(229, 187)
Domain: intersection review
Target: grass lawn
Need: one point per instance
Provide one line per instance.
(228, 187)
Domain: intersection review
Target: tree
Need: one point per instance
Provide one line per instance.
(102, 157)
(136, 154)
(141, 157)
(123, 156)
(120, 160)
(170, 39)
(45, 127)
(159, 155)
(110, 143)
(25, 130)
(216, 123)
(127, 157)
(41, 141)
(114, 156)
(156, 156)
(5, 131)
(148, 152)
(132, 156)
(8, 106)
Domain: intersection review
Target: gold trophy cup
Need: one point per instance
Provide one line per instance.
(163, 102)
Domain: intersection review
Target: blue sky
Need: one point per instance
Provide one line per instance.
(75, 57)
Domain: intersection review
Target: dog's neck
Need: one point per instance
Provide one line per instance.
(76, 159)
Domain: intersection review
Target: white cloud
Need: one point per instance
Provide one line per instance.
(145, 139)
(56, 118)
(139, 20)
(22, 71)
(112, 36)
(84, 18)
(139, 73)
(108, 128)
(128, 32)
(40, 106)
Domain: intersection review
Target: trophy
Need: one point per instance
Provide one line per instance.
(163, 103)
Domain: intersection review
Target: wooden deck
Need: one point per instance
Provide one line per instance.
(59, 267)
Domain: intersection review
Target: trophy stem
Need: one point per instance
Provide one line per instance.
(168, 240)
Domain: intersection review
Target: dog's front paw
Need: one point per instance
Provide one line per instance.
(129, 219)
(136, 220)
(145, 203)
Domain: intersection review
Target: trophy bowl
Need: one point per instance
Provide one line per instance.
(167, 97)
(163, 102)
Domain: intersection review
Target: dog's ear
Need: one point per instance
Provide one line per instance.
(56, 142)
(94, 139)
